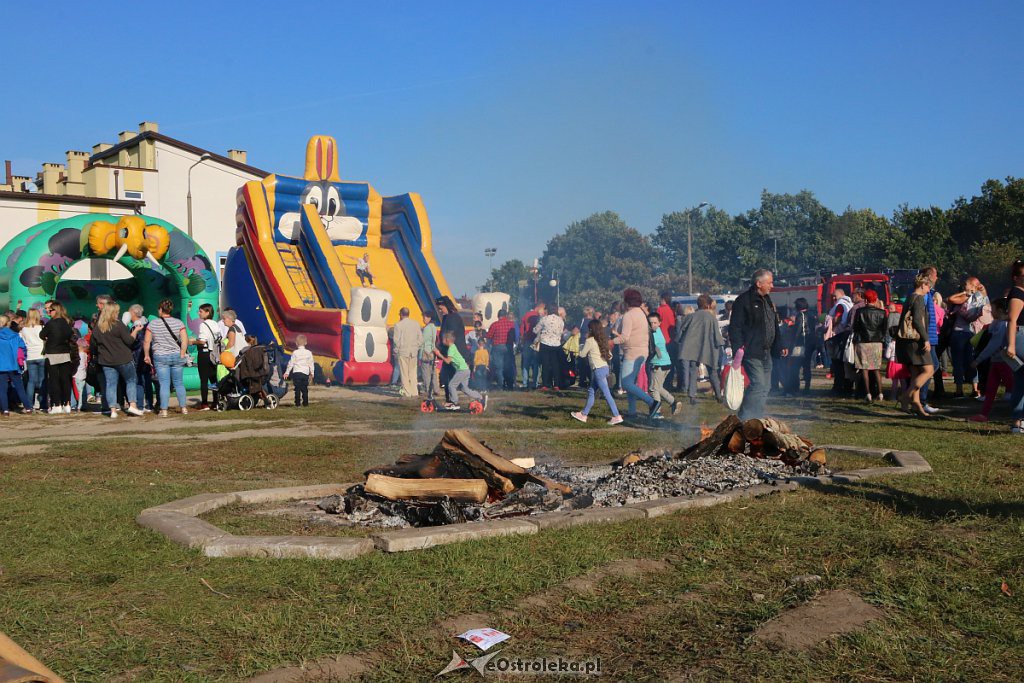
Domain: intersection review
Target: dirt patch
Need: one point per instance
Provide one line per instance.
(829, 614)
(623, 568)
(323, 670)
(27, 449)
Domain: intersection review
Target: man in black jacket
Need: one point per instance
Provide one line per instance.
(754, 328)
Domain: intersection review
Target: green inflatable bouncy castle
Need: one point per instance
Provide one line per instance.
(163, 261)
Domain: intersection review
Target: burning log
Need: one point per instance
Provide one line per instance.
(459, 490)
(758, 438)
(502, 474)
(714, 443)
(754, 430)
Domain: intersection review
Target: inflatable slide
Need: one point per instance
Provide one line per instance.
(300, 244)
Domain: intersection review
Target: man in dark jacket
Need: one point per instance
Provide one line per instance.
(754, 328)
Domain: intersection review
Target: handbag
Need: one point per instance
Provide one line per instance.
(906, 330)
(218, 340)
(733, 384)
(850, 353)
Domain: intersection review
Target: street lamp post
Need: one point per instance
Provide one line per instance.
(535, 275)
(774, 235)
(489, 252)
(188, 197)
(689, 247)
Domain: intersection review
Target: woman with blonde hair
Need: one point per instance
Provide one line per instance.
(111, 345)
(58, 346)
(35, 364)
(912, 346)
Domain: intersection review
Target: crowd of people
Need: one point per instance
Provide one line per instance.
(125, 362)
(648, 353)
(651, 353)
(657, 353)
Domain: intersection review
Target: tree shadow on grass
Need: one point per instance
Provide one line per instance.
(930, 508)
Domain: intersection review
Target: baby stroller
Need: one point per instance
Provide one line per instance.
(243, 384)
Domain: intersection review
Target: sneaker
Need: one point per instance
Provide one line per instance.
(693, 401)
(655, 410)
(113, 414)
(132, 410)
(26, 411)
(54, 410)
(616, 420)
(184, 410)
(485, 400)
(452, 406)
(147, 410)
(203, 406)
(578, 416)
(677, 407)
(931, 411)
(67, 409)
(163, 413)
(620, 392)
(980, 398)
(977, 418)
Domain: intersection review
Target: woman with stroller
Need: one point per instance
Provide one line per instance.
(252, 369)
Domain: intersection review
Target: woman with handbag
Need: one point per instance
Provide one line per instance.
(868, 333)
(1014, 342)
(166, 348)
(912, 346)
(210, 343)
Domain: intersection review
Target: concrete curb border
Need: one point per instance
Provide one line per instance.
(179, 520)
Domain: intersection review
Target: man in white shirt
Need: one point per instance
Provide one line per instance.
(363, 270)
(408, 339)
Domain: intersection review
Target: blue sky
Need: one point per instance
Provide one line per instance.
(514, 119)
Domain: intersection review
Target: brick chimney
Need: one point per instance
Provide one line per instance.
(238, 155)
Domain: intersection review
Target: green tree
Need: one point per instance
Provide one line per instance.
(721, 246)
(867, 240)
(506, 278)
(803, 227)
(599, 252)
(928, 241)
(990, 262)
(996, 216)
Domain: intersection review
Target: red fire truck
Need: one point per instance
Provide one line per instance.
(818, 289)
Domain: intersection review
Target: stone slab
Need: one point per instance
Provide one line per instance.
(862, 451)
(562, 520)
(260, 496)
(318, 547)
(667, 506)
(401, 540)
(197, 505)
(911, 460)
(180, 528)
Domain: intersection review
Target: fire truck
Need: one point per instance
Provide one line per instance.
(818, 289)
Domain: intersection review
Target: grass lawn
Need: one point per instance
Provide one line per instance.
(99, 599)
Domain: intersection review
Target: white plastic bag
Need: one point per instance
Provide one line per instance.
(732, 383)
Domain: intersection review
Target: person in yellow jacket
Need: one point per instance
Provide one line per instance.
(571, 347)
(481, 365)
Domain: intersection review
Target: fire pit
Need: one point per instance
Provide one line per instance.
(463, 480)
